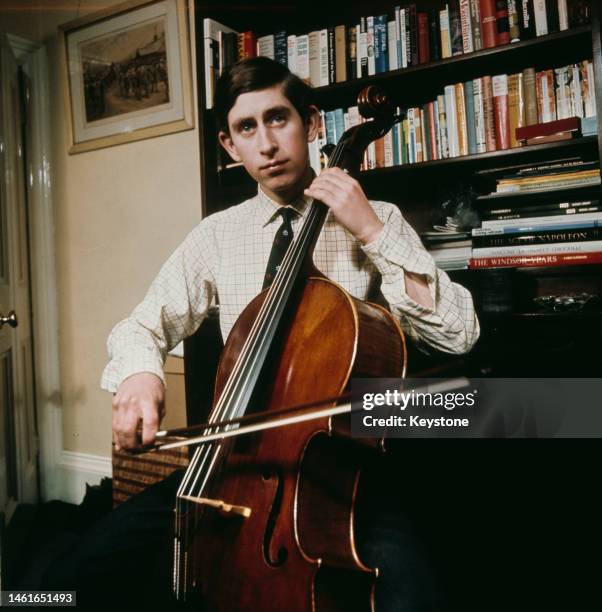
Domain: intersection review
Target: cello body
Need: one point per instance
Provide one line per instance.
(296, 550)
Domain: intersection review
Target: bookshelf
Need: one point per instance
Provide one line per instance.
(417, 187)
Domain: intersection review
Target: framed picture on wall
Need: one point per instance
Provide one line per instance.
(127, 74)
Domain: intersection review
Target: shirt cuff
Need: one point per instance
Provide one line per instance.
(392, 250)
(123, 367)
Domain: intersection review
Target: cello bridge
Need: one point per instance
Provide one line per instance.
(220, 505)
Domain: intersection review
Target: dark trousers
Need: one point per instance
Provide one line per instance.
(122, 558)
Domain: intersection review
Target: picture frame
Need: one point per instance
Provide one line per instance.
(127, 74)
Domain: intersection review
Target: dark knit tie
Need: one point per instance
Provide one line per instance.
(282, 239)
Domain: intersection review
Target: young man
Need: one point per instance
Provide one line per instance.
(266, 118)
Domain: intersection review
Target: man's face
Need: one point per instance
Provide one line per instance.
(269, 137)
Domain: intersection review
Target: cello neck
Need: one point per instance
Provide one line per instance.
(296, 265)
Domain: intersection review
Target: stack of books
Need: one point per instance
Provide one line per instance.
(553, 131)
(402, 38)
(544, 231)
(450, 249)
(448, 243)
(547, 177)
(485, 114)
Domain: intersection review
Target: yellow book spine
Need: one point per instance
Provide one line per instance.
(461, 115)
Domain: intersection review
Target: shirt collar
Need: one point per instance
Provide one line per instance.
(269, 209)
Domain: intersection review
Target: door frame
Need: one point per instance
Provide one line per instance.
(32, 57)
(19, 417)
(63, 474)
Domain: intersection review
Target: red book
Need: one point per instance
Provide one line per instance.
(432, 128)
(547, 129)
(423, 38)
(488, 23)
(499, 85)
(250, 44)
(521, 261)
(502, 24)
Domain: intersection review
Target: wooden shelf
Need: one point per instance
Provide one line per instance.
(236, 184)
(540, 152)
(541, 41)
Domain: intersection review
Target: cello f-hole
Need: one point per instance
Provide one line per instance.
(282, 554)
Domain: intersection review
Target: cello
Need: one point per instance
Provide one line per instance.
(266, 522)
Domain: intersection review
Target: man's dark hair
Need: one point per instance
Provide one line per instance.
(254, 74)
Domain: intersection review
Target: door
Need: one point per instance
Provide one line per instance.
(18, 439)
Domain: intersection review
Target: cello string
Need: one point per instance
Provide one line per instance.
(273, 299)
(247, 364)
(242, 374)
(283, 278)
(241, 363)
(249, 353)
(267, 314)
(272, 302)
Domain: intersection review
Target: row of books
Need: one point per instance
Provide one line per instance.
(551, 240)
(543, 232)
(403, 38)
(478, 116)
(543, 241)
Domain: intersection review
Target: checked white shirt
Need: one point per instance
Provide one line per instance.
(226, 256)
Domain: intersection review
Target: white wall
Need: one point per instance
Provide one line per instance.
(119, 213)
